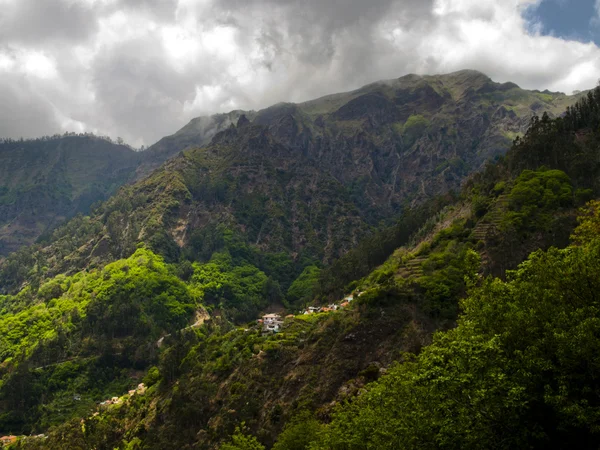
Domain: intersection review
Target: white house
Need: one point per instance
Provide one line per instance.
(272, 323)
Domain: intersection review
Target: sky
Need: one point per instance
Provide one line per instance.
(567, 19)
(141, 69)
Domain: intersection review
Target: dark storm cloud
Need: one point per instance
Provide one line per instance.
(138, 94)
(330, 45)
(23, 113)
(141, 69)
(316, 31)
(159, 9)
(39, 21)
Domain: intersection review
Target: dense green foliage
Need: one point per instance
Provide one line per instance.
(240, 441)
(44, 181)
(301, 290)
(375, 249)
(520, 370)
(536, 198)
(242, 290)
(79, 332)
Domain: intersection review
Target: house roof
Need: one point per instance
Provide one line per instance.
(271, 316)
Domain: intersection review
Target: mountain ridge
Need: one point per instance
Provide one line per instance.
(406, 118)
(381, 151)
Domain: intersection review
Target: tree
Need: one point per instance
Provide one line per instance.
(299, 433)
(242, 441)
(521, 370)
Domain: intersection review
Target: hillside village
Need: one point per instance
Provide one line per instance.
(7, 441)
(273, 322)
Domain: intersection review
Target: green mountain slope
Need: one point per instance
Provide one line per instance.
(394, 133)
(45, 181)
(198, 133)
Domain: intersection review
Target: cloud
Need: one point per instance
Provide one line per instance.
(30, 22)
(595, 20)
(141, 69)
(21, 107)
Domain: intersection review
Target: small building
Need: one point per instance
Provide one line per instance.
(344, 304)
(271, 327)
(131, 392)
(271, 319)
(272, 323)
(141, 388)
(7, 440)
(326, 309)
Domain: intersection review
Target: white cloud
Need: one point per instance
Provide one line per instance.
(141, 69)
(595, 20)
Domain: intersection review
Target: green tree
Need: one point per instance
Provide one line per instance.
(242, 441)
(301, 290)
(299, 433)
(521, 370)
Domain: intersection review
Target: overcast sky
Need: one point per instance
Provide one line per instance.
(141, 69)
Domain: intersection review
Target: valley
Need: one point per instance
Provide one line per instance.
(450, 222)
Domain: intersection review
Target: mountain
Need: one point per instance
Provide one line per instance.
(162, 284)
(43, 182)
(441, 127)
(310, 179)
(198, 133)
(511, 354)
(386, 144)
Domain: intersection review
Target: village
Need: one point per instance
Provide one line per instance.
(6, 441)
(273, 322)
